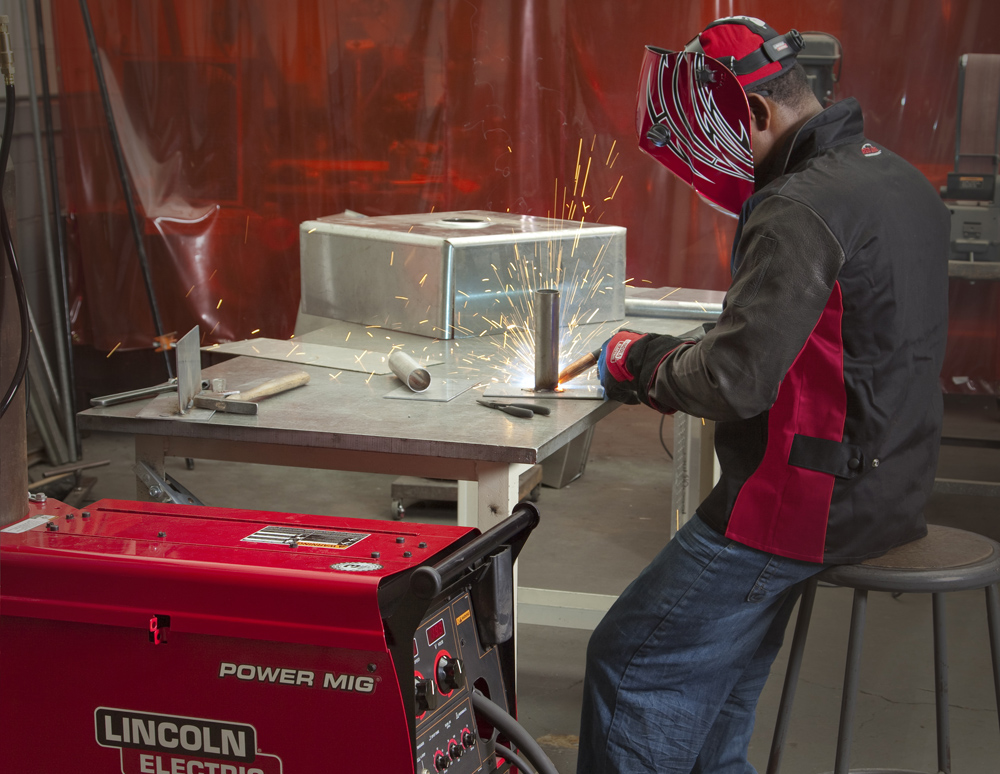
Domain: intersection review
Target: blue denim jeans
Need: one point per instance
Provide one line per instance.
(675, 669)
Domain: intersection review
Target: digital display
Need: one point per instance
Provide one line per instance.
(435, 632)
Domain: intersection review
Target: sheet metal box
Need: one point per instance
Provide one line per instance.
(458, 274)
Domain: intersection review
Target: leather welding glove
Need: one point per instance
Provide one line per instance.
(629, 361)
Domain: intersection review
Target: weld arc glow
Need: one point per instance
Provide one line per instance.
(709, 140)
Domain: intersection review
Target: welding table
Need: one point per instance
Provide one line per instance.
(346, 424)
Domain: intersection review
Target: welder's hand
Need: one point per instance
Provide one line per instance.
(613, 367)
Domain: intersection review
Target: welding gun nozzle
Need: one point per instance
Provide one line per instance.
(578, 367)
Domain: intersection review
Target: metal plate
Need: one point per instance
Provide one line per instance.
(323, 355)
(188, 369)
(440, 390)
(166, 407)
(585, 392)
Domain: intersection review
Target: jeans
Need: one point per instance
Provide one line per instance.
(675, 669)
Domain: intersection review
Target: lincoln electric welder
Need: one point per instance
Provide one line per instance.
(163, 639)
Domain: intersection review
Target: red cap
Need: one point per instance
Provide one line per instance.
(749, 47)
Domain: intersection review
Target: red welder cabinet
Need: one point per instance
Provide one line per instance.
(158, 639)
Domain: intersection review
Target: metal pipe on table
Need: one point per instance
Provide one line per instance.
(546, 339)
(650, 307)
(409, 371)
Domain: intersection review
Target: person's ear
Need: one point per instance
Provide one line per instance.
(761, 112)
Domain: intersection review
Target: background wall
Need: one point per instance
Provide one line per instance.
(241, 118)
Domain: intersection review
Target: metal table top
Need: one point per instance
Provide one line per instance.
(347, 410)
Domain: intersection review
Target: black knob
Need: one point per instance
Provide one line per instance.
(425, 694)
(468, 739)
(450, 674)
(658, 135)
(456, 750)
(441, 761)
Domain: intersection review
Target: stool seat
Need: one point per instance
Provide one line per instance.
(946, 559)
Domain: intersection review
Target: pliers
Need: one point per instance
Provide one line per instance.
(523, 410)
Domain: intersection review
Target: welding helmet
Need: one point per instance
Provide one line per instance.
(692, 113)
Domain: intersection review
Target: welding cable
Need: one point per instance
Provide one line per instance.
(8, 243)
(501, 719)
(512, 757)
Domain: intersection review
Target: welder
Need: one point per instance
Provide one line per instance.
(821, 374)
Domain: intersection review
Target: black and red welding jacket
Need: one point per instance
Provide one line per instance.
(823, 369)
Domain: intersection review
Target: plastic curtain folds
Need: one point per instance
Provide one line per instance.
(241, 118)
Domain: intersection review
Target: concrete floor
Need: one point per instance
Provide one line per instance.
(598, 532)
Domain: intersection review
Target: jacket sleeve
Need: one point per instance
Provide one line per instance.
(787, 265)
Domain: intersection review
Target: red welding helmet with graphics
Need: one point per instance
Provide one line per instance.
(692, 113)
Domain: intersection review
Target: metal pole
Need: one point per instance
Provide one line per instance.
(52, 268)
(546, 339)
(126, 185)
(63, 334)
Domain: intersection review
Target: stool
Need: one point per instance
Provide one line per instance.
(945, 560)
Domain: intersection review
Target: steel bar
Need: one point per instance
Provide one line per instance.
(44, 415)
(59, 270)
(546, 339)
(126, 185)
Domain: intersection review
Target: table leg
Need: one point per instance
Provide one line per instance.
(489, 499)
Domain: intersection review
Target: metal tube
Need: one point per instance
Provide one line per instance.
(650, 307)
(409, 371)
(63, 329)
(852, 678)
(546, 339)
(941, 683)
(791, 676)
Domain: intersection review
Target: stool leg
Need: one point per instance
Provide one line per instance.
(791, 676)
(993, 619)
(941, 684)
(852, 676)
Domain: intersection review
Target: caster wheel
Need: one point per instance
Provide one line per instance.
(398, 511)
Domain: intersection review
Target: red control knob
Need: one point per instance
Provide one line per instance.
(441, 761)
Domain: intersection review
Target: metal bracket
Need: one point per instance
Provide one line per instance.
(165, 489)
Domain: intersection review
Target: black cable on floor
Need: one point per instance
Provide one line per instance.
(512, 757)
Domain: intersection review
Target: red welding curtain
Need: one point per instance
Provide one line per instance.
(241, 118)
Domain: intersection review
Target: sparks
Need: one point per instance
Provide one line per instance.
(219, 304)
(255, 331)
(113, 349)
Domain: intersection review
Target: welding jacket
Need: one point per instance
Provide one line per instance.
(823, 370)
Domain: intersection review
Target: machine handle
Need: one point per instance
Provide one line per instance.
(427, 582)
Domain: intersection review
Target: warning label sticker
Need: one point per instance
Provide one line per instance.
(305, 536)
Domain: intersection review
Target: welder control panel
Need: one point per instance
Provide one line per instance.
(448, 662)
